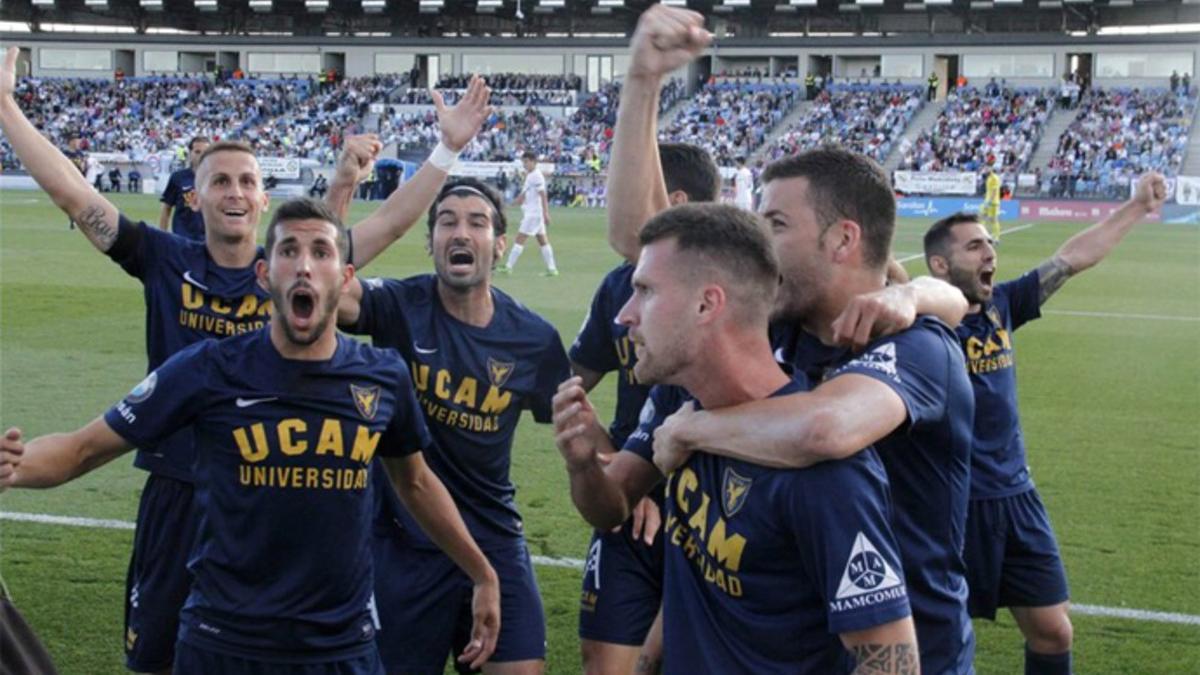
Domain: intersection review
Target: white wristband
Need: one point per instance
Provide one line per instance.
(443, 157)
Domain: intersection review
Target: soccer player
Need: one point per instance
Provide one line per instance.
(743, 186)
(1011, 554)
(535, 216)
(195, 291)
(622, 580)
(478, 359)
(180, 196)
(287, 420)
(991, 202)
(767, 570)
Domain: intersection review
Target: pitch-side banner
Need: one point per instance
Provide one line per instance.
(1187, 190)
(934, 182)
(280, 167)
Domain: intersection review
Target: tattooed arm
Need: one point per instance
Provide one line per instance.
(1089, 247)
(890, 649)
(96, 216)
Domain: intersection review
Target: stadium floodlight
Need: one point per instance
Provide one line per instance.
(374, 6)
(43, 3)
(316, 6)
(802, 3)
(151, 5)
(610, 3)
(552, 3)
(206, 5)
(1050, 4)
(675, 3)
(432, 3)
(260, 5)
(939, 2)
(1009, 2)
(489, 3)
(737, 3)
(96, 4)
(868, 3)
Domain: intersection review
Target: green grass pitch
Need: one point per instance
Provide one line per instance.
(1109, 404)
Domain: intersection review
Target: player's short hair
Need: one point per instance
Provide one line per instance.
(937, 237)
(844, 185)
(306, 208)
(731, 241)
(529, 154)
(224, 146)
(197, 139)
(466, 186)
(690, 169)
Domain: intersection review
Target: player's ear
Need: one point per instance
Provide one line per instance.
(677, 197)
(499, 247)
(938, 266)
(262, 273)
(712, 300)
(844, 239)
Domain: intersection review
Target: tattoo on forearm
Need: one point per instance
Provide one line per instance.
(892, 659)
(92, 223)
(1052, 274)
(647, 666)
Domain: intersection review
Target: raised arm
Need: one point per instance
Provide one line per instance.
(1089, 247)
(427, 499)
(784, 432)
(895, 308)
(604, 495)
(410, 202)
(890, 649)
(54, 459)
(666, 39)
(68, 189)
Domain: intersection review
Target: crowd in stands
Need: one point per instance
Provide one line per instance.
(1118, 134)
(732, 118)
(863, 118)
(515, 81)
(997, 126)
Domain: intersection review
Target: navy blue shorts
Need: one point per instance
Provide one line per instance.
(157, 583)
(424, 606)
(622, 587)
(193, 660)
(1011, 555)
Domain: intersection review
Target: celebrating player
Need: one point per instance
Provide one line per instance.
(1011, 554)
(767, 570)
(286, 422)
(195, 291)
(622, 580)
(478, 358)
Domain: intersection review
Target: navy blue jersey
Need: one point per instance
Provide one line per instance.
(603, 346)
(282, 563)
(928, 465)
(473, 384)
(188, 298)
(998, 467)
(180, 193)
(765, 567)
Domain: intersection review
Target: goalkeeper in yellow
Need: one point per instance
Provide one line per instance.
(990, 212)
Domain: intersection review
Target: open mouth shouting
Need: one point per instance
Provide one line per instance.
(460, 260)
(302, 301)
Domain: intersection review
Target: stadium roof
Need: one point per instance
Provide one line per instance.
(598, 18)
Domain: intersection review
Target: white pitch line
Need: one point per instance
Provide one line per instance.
(1117, 315)
(575, 563)
(1010, 230)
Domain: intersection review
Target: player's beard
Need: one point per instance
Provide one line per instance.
(968, 282)
(283, 309)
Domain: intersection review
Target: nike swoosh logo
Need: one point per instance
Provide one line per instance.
(247, 402)
(187, 276)
(424, 351)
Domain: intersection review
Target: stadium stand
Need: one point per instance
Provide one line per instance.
(866, 118)
(997, 127)
(1116, 135)
(733, 118)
